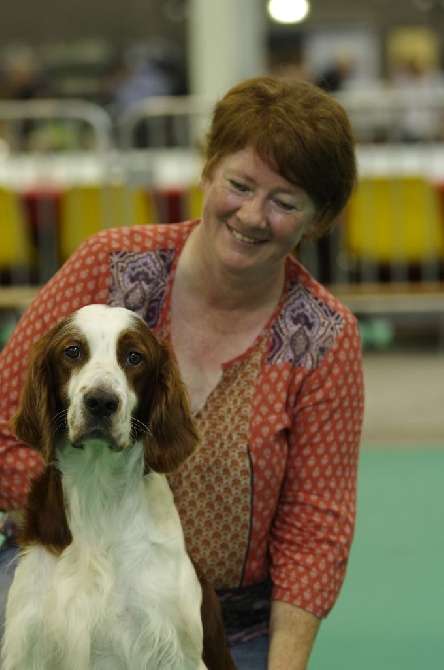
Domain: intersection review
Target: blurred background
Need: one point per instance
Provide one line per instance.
(103, 110)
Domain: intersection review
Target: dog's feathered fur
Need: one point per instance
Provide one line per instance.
(104, 581)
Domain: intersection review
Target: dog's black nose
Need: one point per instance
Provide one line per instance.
(101, 403)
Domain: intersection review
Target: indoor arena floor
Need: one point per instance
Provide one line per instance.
(390, 614)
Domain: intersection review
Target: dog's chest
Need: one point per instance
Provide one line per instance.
(123, 594)
(115, 614)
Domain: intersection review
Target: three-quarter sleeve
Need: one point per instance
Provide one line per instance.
(314, 522)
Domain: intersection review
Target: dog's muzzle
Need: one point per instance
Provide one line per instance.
(100, 409)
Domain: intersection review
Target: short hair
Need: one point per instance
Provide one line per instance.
(298, 130)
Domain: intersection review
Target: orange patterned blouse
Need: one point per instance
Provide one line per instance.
(268, 501)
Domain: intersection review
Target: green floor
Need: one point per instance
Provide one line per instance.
(390, 614)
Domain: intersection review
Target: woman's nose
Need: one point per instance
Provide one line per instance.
(253, 211)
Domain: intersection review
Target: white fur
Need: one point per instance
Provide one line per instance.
(124, 594)
(103, 326)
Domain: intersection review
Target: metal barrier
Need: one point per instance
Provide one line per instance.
(161, 144)
(179, 121)
(14, 115)
(386, 256)
(61, 180)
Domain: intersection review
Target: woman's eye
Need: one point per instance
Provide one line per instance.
(238, 186)
(134, 358)
(73, 352)
(286, 206)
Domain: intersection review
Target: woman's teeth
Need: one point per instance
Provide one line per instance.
(245, 238)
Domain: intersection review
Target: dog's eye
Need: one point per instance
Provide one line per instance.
(134, 358)
(72, 352)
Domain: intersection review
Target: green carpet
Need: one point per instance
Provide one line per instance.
(390, 614)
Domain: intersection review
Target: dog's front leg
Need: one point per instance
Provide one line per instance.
(25, 645)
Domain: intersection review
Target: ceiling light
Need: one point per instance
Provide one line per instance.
(288, 11)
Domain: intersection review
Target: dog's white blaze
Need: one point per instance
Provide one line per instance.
(101, 371)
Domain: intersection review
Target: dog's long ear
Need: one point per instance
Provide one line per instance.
(173, 435)
(38, 403)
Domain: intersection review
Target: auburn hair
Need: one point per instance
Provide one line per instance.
(297, 129)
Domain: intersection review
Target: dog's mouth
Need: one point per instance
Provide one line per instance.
(97, 436)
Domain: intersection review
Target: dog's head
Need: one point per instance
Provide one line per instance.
(101, 375)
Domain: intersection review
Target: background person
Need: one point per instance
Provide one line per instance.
(271, 360)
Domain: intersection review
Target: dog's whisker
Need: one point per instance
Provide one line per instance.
(61, 423)
(138, 427)
(57, 416)
(58, 421)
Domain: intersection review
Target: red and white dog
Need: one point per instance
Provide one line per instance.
(104, 581)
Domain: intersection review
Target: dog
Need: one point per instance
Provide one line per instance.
(104, 581)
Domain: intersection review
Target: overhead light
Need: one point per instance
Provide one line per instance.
(288, 11)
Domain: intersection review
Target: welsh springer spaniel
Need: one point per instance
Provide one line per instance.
(104, 581)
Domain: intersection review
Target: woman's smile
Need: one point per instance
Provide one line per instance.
(241, 237)
(253, 217)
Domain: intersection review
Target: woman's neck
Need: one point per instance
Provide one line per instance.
(220, 288)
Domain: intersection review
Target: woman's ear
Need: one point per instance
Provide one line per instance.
(173, 436)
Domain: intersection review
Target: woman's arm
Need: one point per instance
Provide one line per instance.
(292, 635)
(83, 279)
(314, 521)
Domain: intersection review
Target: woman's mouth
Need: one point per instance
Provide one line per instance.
(244, 238)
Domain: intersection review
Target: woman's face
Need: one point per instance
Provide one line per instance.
(252, 216)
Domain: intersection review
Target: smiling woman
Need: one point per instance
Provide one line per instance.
(271, 362)
(301, 133)
(252, 217)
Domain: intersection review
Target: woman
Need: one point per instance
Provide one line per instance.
(271, 360)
